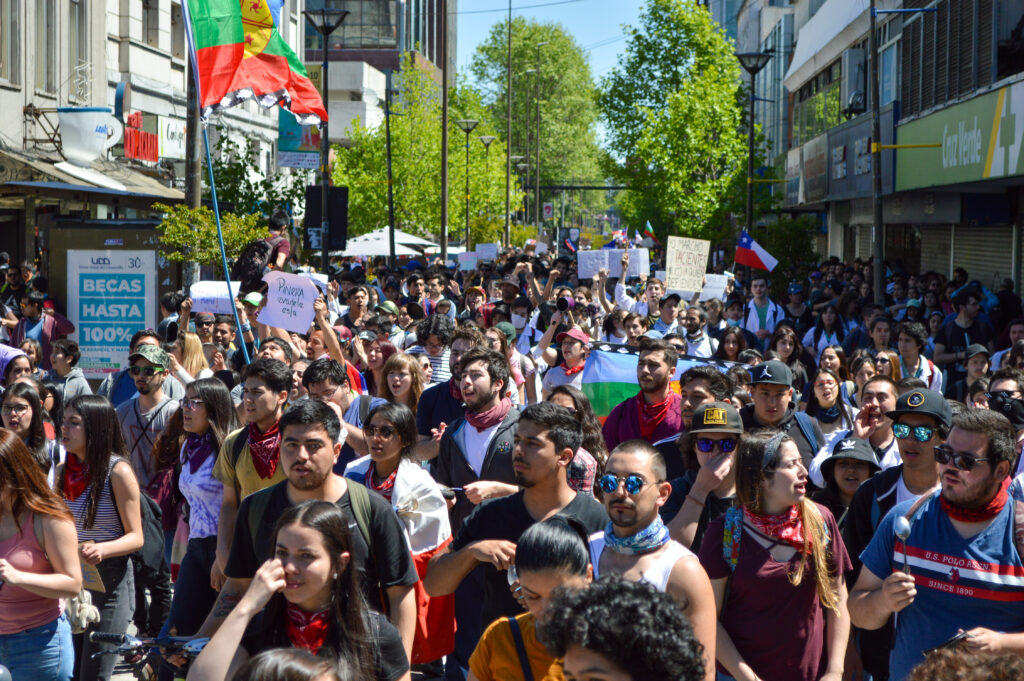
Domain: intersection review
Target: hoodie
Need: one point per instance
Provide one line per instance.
(72, 385)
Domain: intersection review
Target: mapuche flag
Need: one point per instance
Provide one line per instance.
(241, 55)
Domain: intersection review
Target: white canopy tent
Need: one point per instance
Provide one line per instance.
(372, 247)
(401, 237)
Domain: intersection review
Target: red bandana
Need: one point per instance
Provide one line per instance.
(787, 527)
(76, 476)
(491, 417)
(573, 371)
(266, 450)
(981, 514)
(385, 488)
(651, 415)
(454, 390)
(306, 630)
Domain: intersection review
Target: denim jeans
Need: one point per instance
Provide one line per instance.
(115, 612)
(40, 654)
(193, 595)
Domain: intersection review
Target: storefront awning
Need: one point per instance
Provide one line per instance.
(77, 192)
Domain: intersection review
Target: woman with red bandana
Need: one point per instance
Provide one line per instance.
(310, 598)
(100, 488)
(776, 565)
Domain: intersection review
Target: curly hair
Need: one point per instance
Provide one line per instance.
(637, 628)
(959, 664)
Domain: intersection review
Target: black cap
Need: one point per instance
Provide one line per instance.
(668, 296)
(717, 417)
(927, 402)
(976, 349)
(773, 372)
(850, 448)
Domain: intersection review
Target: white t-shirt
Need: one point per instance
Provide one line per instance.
(475, 443)
(904, 494)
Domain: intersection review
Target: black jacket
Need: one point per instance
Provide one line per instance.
(789, 425)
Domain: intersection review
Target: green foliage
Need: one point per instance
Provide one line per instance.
(675, 121)
(190, 234)
(791, 241)
(416, 165)
(241, 183)
(565, 88)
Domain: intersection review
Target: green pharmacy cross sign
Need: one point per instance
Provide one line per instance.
(980, 139)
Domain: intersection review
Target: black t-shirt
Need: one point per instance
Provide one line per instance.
(507, 518)
(391, 565)
(437, 406)
(389, 658)
(713, 506)
(674, 466)
(954, 339)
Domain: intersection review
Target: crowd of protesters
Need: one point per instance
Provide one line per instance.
(804, 486)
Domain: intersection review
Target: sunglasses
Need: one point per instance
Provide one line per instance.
(189, 404)
(633, 482)
(204, 323)
(725, 445)
(384, 432)
(148, 372)
(902, 431)
(944, 454)
(1002, 394)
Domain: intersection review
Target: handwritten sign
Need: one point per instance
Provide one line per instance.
(588, 263)
(686, 263)
(487, 251)
(639, 262)
(468, 261)
(213, 296)
(290, 300)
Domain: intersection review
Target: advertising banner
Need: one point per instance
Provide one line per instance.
(298, 146)
(111, 295)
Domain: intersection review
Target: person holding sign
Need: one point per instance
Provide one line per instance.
(38, 567)
(655, 289)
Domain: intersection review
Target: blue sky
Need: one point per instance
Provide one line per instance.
(596, 25)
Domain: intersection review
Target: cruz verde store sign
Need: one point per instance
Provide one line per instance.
(981, 139)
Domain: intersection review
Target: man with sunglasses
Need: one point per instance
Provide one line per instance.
(919, 422)
(708, 487)
(1006, 396)
(120, 387)
(959, 569)
(637, 545)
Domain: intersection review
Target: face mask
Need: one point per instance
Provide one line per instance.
(1009, 407)
(518, 322)
(732, 322)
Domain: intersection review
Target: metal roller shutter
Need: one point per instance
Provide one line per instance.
(865, 244)
(985, 252)
(935, 242)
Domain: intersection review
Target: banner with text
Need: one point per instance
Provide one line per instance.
(213, 296)
(111, 295)
(686, 263)
(290, 300)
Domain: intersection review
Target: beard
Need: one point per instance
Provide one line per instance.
(522, 481)
(312, 480)
(476, 402)
(654, 385)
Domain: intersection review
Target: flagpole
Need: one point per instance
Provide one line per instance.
(189, 36)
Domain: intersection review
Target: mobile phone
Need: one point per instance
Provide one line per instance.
(948, 643)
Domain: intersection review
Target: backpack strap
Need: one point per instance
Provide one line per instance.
(359, 497)
(237, 445)
(258, 502)
(364, 407)
(524, 660)
(807, 428)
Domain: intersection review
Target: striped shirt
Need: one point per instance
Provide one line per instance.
(107, 522)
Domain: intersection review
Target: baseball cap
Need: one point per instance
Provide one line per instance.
(477, 289)
(653, 333)
(575, 334)
(771, 372)
(388, 307)
(368, 336)
(976, 349)
(927, 402)
(510, 280)
(850, 448)
(669, 296)
(507, 329)
(204, 317)
(795, 288)
(253, 298)
(718, 417)
(153, 354)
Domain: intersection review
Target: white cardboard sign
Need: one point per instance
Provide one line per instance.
(213, 296)
(290, 299)
(686, 262)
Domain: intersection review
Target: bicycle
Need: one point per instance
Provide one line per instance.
(146, 669)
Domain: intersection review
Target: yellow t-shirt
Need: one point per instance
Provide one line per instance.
(243, 471)
(496, 658)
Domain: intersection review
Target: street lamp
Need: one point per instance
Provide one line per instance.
(524, 174)
(325, 20)
(467, 125)
(486, 139)
(752, 63)
(528, 148)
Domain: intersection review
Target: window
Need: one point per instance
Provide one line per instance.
(10, 41)
(370, 24)
(78, 34)
(151, 22)
(177, 31)
(45, 43)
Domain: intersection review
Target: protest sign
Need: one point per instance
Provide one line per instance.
(715, 287)
(686, 263)
(213, 296)
(487, 251)
(319, 279)
(468, 261)
(290, 300)
(589, 262)
(111, 295)
(542, 247)
(639, 262)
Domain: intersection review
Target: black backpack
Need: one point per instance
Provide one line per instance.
(251, 265)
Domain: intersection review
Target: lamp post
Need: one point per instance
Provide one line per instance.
(536, 185)
(524, 173)
(528, 148)
(486, 141)
(467, 125)
(508, 130)
(752, 63)
(325, 20)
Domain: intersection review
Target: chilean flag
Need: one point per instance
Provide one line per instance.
(751, 254)
(568, 244)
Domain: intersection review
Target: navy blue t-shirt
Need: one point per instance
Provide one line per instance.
(437, 406)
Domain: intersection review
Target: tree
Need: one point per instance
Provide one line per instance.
(674, 120)
(241, 184)
(190, 234)
(416, 164)
(568, 101)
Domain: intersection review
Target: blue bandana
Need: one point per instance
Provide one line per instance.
(652, 537)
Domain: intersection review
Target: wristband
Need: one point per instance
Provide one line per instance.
(695, 500)
(246, 328)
